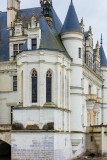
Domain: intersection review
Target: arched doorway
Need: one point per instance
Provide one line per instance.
(5, 151)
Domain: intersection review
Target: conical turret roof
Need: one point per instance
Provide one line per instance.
(71, 23)
(103, 59)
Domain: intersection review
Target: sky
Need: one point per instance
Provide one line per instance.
(94, 13)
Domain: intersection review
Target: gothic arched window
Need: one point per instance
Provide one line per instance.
(34, 86)
(49, 86)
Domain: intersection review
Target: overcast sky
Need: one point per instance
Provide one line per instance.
(94, 13)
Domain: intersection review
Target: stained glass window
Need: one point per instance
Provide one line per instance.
(48, 86)
(14, 83)
(34, 86)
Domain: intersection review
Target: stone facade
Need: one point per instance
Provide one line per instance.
(74, 120)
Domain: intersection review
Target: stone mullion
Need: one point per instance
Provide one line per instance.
(19, 84)
(68, 89)
(41, 85)
(58, 85)
(63, 87)
(25, 86)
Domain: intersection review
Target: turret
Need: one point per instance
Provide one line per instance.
(103, 61)
(72, 38)
(12, 7)
(103, 58)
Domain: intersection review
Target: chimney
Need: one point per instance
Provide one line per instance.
(12, 7)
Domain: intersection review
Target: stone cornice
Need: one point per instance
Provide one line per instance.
(38, 107)
(75, 87)
(42, 131)
(72, 38)
(16, 38)
(7, 66)
(44, 52)
(77, 33)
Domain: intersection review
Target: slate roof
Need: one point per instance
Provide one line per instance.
(103, 59)
(4, 37)
(50, 38)
(71, 23)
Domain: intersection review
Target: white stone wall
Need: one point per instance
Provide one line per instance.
(72, 42)
(6, 137)
(104, 94)
(78, 143)
(51, 146)
(41, 117)
(42, 61)
(96, 90)
(8, 98)
(6, 101)
(62, 146)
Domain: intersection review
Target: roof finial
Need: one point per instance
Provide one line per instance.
(90, 29)
(101, 39)
(97, 45)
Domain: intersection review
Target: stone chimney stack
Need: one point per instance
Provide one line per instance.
(12, 7)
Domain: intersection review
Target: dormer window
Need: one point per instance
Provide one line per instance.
(16, 49)
(34, 44)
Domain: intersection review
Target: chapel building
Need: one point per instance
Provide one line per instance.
(53, 85)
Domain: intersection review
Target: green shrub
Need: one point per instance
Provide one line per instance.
(17, 126)
(48, 126)
(32, 127)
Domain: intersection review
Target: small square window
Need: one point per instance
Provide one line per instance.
(79, 53)
(20, 46)
(91, 138)
(34, 44)
(16, 49)
(14, 83)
